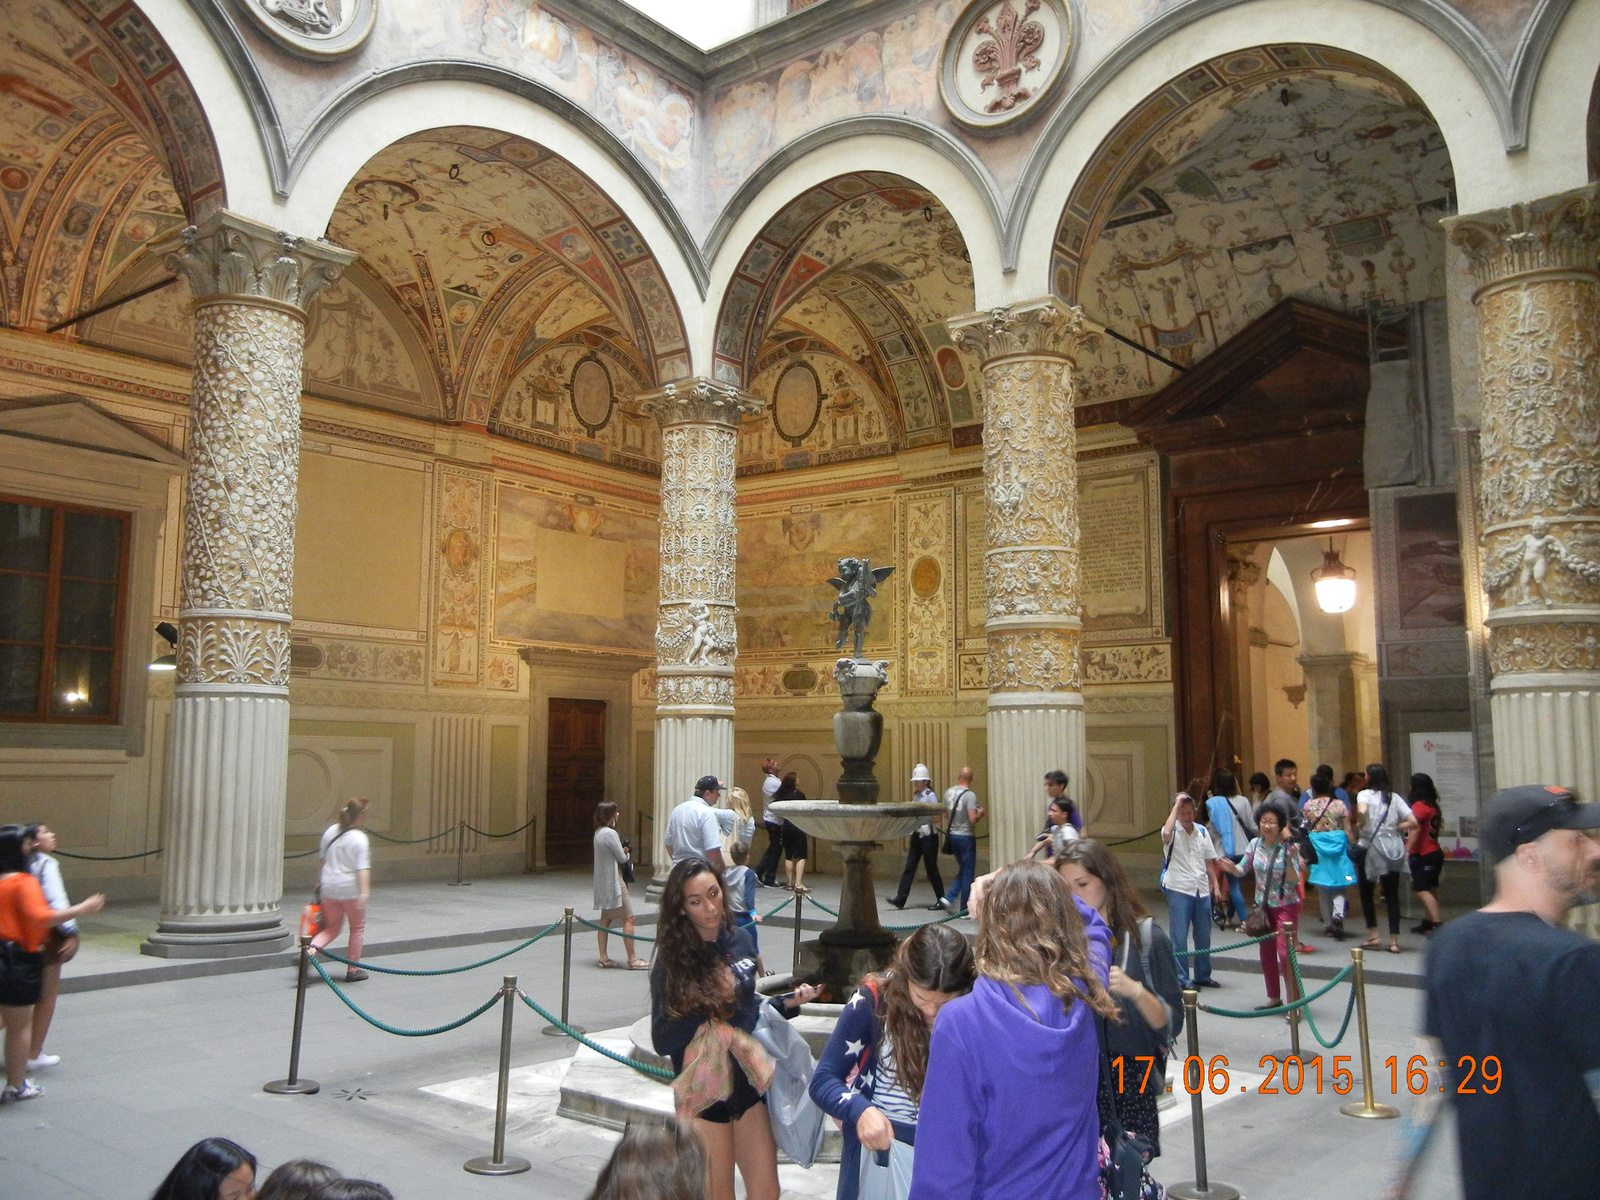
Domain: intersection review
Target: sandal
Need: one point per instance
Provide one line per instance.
(1372, 943)
(608, 962)
(638, 964)
(1394, 947)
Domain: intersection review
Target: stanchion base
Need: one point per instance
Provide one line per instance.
(1193, 1191)
(459, 883)
(487, 1166)
(1305, 1056)
(557, 1031)
(1378, 1112)
(300, 1087)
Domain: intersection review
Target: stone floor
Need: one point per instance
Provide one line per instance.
(152, 1062)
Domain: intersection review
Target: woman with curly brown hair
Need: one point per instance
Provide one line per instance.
(1010, 1105)
(654, 1161)
(703, 1009)
(871, 1073)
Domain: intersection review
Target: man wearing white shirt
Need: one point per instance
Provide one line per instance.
(693, 830)
(766, 869)
(1186, 880)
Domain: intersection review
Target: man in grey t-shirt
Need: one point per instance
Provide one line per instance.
(693, 830)
(962, 814)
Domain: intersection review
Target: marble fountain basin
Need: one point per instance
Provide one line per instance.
(835, 822)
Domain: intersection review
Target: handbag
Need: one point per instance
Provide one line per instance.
(311, 918)
(885, 1174)
(627, 864)
(797, 1123)
(1124, 1156)
(1300, 835)
(1388, 848)
(1258, 921)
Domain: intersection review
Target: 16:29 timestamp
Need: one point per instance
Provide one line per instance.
(1291, 1076)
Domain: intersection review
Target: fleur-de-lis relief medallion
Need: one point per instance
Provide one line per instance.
(1011, 49)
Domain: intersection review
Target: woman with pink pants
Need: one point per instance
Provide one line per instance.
(1275, 862)
(346, 882)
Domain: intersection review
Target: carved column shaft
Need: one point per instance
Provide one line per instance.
(1538, 305)
(228, 749)
(696, 640)
(1031, 566)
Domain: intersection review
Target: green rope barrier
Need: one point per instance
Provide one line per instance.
(387, 1028)
(1349, 1008)
(636, 937)
(302, 854)
(642, 1068)
(780, 906)
(815, 903)
(432, 837)
(513, 833)
(1282, 1008)
(107, 857)
(914, 928)
(1221, 949)
(324, 952)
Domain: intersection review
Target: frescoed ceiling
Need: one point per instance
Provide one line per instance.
(855, 278)
(1272, 173)
(102, 148)
(497, 249)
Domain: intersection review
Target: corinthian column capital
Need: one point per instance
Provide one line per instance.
(698, 401)
(1044, 326)
(1557, 233)
(232, 257)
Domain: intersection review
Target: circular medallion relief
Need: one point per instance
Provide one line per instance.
(591, 393)
(1002, 57)
(796, 403)
(925, 576)
(313, 28)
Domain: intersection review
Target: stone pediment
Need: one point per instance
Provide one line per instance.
(77, 422)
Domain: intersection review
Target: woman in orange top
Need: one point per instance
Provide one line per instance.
(25, 918)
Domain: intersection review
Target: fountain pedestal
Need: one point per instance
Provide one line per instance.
(857, 943)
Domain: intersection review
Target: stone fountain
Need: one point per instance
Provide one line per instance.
(857, 943)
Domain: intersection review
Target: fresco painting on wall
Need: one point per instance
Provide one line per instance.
(784, 595)
(573, 574)
(1428, 551)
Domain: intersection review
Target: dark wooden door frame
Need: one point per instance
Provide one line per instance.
(559, 849)
(1202, 523)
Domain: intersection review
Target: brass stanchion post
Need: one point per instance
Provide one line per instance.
(1367, 1107)
(1291, 981)
(461, 850)
(497, 1163)
(294, 1085)
(566, 984)
(799, 899)
(1203, 1188)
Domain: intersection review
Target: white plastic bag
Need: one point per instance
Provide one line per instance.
(890, 1180)
(796, 1121)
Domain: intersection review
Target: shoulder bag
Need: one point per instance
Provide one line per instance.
(1388, 847)
(1258, 921)
(1124, 1156)
(1300, 834)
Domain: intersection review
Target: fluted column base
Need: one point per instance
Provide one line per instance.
(1029, 733)
(227, 769)
(1547, 730)
(687, 747)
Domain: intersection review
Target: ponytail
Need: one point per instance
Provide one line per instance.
(351, 811)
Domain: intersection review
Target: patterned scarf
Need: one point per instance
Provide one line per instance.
(707, 1074)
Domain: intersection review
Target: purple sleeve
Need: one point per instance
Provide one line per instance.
(950, 1122)
(1099, 935)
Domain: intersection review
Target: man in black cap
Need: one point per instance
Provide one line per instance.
(1513, 1011)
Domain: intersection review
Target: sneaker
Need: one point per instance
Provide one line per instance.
(1206, 983)
(44, 1060)
(28, 1091)
(356, 975)
(936, 906)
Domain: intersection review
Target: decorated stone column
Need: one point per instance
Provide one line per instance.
(1538, 305)
(1032, 619)
(227, 748)
(695, 636)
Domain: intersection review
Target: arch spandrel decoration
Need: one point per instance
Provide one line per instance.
(1284, 171)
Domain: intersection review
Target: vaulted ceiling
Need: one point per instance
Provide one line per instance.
(1284, 172)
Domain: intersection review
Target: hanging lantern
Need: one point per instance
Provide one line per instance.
(1335, 583)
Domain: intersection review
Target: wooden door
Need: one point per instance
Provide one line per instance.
(575, 780)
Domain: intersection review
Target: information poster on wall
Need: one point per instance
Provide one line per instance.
(1452, 761)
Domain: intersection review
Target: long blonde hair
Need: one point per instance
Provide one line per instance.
(1032, 933)
(739, 805)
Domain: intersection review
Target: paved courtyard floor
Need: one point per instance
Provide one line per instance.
(158, 1053)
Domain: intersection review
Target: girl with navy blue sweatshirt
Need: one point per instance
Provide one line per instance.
(871, 1073)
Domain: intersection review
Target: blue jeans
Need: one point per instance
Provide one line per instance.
(1236, 906)
(1182, 912)
(966, 848)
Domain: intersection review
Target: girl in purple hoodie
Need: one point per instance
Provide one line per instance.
(1009, 1106)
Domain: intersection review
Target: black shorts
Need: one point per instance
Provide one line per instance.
(21, 975)
(795, 843)
(1425, 870)
(741, 1100)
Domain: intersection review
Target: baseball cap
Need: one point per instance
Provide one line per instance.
(708, 783)
(919, 774)
(1524, 814)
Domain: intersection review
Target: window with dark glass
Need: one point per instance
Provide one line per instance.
(62, 576)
